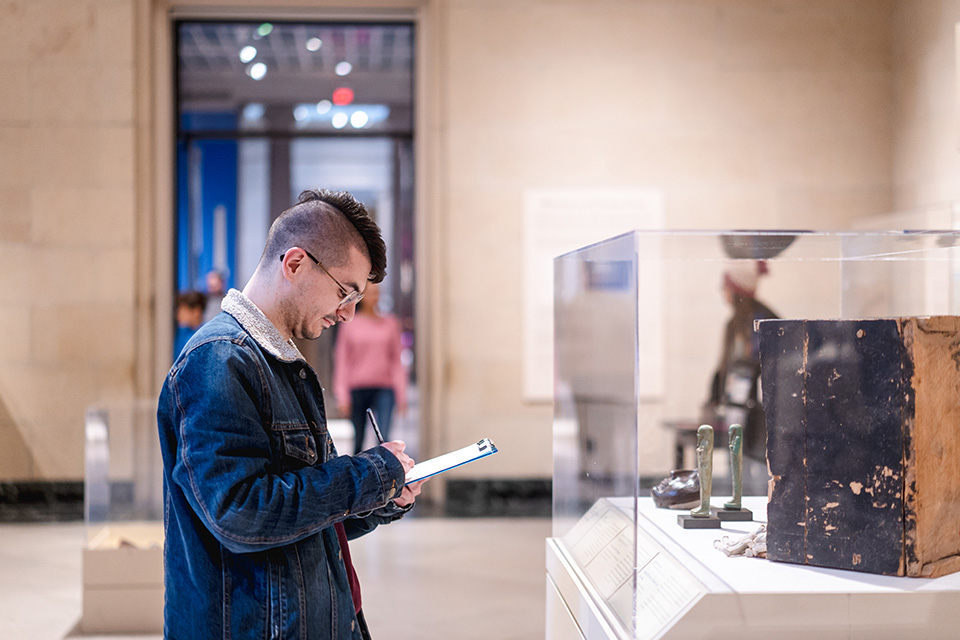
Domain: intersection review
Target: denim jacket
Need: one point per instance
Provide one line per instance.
(253, 486)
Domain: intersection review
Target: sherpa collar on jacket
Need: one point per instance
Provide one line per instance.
(259, 327)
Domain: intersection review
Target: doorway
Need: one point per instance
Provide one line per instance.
(268, 109)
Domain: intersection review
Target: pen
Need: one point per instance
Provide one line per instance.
(376, 428)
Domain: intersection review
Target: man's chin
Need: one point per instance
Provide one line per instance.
(308, 334)
(313, 334)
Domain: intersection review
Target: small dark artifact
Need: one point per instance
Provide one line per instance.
(679, 490)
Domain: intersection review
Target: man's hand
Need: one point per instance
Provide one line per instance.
(410, 493)
(396, 447)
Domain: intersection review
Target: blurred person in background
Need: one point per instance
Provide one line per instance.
(368, 372)
(735, 387)
(216, 290)
(190, 309)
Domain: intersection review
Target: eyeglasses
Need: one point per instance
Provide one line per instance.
(349, 297)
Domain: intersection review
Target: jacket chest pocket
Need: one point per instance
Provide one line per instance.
(297, 444)
(303, 445)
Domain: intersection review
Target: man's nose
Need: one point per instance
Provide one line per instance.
(345, 314)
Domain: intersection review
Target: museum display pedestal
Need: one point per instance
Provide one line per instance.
(123, 579)
(123, 510)
(686, 588)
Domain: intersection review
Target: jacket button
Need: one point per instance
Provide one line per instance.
(303, 374)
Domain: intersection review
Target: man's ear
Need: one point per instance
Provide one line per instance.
(293, 261)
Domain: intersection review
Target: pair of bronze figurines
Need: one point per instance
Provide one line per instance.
(704, 516)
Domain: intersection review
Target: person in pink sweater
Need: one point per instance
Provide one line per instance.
(367, 370)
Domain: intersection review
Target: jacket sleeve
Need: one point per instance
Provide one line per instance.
(365, 523)
(225, 467)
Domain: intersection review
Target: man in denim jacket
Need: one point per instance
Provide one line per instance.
(258, 507)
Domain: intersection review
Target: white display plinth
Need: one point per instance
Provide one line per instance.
(686, 588)
(123, 579)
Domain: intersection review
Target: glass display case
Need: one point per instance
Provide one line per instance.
(646, 350)
(123, 513)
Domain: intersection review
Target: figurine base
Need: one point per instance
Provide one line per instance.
(732, 515)
(691, 522)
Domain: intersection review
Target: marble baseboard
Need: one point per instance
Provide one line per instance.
(499, 498)
(62, 501)
(41, 501)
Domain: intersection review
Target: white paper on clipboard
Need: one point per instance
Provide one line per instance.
(442, 463)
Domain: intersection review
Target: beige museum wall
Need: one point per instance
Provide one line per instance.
(745, 113)
(926, 160)
(67, 225)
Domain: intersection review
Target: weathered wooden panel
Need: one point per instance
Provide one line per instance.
(854, 440)
(856, 408)
(932, 506)
(781, 365)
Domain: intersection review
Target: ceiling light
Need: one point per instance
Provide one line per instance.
(314, 44)
(361, 116)
(301, 113)
(257, 70)
(264, 30)
(343, 68)
(248, 53)
(359, 119)
(253, 111)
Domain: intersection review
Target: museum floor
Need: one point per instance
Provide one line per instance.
(424, 578)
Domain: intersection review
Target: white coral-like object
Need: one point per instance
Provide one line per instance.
(752, 545)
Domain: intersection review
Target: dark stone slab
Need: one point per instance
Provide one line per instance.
(732, 515)
(690, 522)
